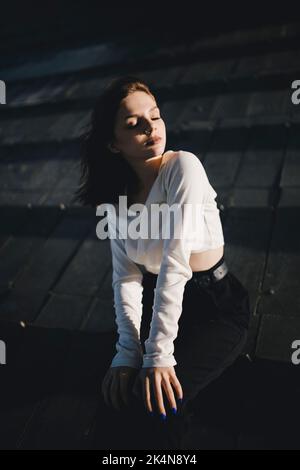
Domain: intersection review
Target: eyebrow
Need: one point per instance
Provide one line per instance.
(135, 115)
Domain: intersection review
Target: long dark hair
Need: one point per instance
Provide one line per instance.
(104, 174)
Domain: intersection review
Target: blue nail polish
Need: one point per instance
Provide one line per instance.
(180, 400)
(174, 411)
(150, 413)
(163, 416)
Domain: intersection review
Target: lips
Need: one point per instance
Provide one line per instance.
(153, 141)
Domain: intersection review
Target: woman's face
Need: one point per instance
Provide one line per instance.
(138, 120)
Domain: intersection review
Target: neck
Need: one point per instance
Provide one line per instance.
(147, 171)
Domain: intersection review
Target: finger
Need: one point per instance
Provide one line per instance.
(177, 386)
(114, 392)
(124, 385)
(147, 395)
(106, 378)
(106, 389)
(136, 389)
(169, 392)
(158, 395)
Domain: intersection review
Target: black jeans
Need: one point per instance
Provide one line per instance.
(212, 333)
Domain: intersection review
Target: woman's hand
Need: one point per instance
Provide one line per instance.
(155, 380)
(117, 384)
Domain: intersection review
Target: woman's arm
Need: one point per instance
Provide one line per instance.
(128, 291)
(186, 183)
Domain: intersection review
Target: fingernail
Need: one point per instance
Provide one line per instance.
(163, 417)
(150, 413)
(174, 411)
(180, 400)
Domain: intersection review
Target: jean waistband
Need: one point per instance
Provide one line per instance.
(204, 277)
(211, 275)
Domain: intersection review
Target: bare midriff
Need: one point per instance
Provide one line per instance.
(206, 259)
(198, 261)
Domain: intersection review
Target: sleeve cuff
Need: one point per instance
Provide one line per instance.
(159, 361)
(133, 361)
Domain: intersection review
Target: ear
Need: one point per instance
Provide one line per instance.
(112, 148)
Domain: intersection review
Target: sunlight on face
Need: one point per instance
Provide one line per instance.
(137, 120)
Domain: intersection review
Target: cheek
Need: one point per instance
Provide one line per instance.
(162, 123)
(132, 140)
(162, 127)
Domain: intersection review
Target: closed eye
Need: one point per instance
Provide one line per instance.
(132, 126)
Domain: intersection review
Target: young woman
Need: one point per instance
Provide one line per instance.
(182, 316)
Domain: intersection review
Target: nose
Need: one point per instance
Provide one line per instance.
(149, 129)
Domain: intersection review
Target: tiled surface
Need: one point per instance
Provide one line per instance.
(225, 98)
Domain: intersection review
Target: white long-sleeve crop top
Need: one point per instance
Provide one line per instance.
(181, 182)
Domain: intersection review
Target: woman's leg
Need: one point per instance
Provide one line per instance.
(212, 334)
(213, 331)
